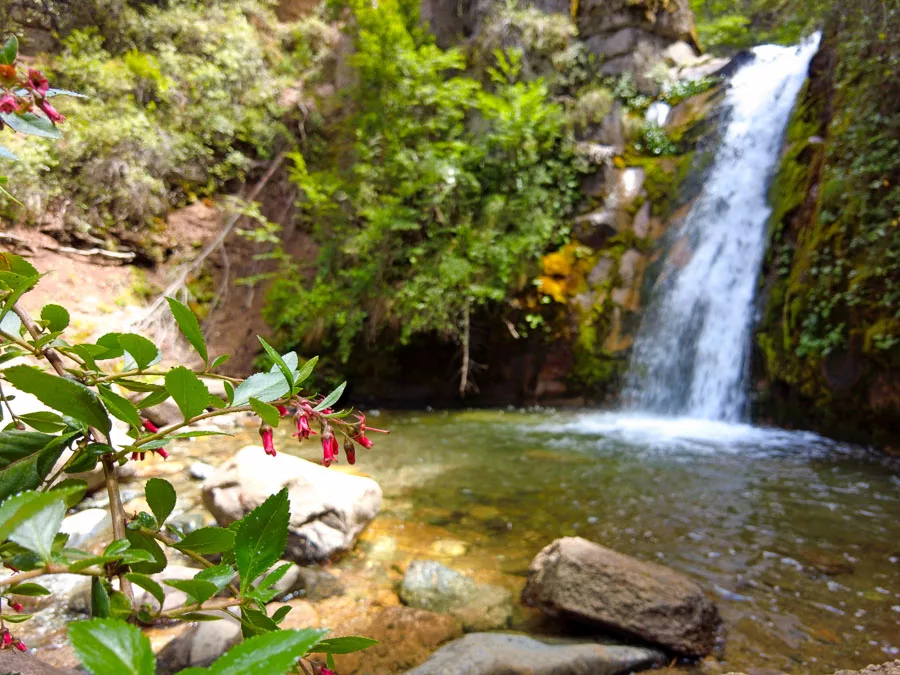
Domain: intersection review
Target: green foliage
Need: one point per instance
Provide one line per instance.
(182, 98)
(655, 141)
(729, 25)
(448, 191)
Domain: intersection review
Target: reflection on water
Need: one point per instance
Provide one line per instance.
(797, 536)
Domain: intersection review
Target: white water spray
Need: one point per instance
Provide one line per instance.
(691, 353)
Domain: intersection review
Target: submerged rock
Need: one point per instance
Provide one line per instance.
(892, 668)
(432, 586)
(492, 653)
(329, 509)
(199, 646)
(573, 577)
(12, 661)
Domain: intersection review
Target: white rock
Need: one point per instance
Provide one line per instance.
(85, 525)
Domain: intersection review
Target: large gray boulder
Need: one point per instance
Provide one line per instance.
(576, 578)
(329, 509)
(437, 588)
(198, 646)
(495, 653)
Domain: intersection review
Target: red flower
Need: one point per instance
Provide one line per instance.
(282, 410)
(135, 456)
(9, 104)
(51, 112)
(350, 451)
(266, 434)
(329, 446)
(326, 671)
(149, 426)
(16, 606)
(38, 82)
(20, 646)
(7, 638)
(363, 441)
(159, 451)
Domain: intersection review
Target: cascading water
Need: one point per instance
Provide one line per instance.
(690, 356)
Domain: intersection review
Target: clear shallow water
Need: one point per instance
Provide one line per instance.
(796, 536)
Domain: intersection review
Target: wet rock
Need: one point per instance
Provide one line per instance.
(406, 637)
(680, 54)
(13, 662)
(201, 470)
(199, 646)
(174, 598)
(490, 653)
(307, 582)
(432, 586)
(86, 526)
(577, 578)
(449, 548)
(328, 509)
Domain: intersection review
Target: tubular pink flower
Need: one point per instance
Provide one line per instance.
(329, 446)
(20, 646)
(266, 433)
(159, 451)
(38, 82)
(303, 429)
(52, 114)
(9, 104)
(282, 410)
(350, 451)
(363, 441)
(149, 426)
(16, 606)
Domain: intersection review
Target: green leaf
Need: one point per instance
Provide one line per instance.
(306, 370)
(207, 540)
(20, 508)
(16, 618)
(134, 385)
(6, 154)
(229, 392)
(154, 398)
(161, 498)
(344, 645)
(120, 407)
(107, 646)
(63, 92)
(279, 362)
(37, 532)
(44, 420)
(144, 352)
(146, 543)
(57, 317)
(332, 398)
(61, 394)
(189, 326)
(24, 462)
(198, 591)
(219, 575)
(281, 613)
(265, 387)
(197, 616)
(255, 622)
(198, 433)
(9, 52)
(219, 361)
(31, 124)
(28, 589)
(262, 537)
(79, 486)
(267, 413)
(268, 654)
(273, 577)
(86, 458)
(188, 392)
(99, 599)
(149, 585)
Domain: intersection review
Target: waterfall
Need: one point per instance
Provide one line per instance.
(691, 353)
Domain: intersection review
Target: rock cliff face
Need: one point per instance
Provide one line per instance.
(828, 344)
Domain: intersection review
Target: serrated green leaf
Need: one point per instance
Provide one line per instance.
(154, 398)
(37, 532)
(266, 387)
(31, 124)
(148, 584)
(189, 326)
(262, 537)
(23, 506)
(57, 317)
(85, 459)
(267, 654)
(120, 407)
(219, 361)
(9, 52)
(28, 589)
(306, 371)
(344, 645)
(219, 575)
(332, 398)
(198, 591)
(267, 413)
(79, 486)
(44, 420)
(255, 622)
(142, 351)
(207, 540)
(281, 613)
(61, 394)
(273, 577)
(107, 646)
(144, 542)
(99, 599)
(188, 391)
(161, 498)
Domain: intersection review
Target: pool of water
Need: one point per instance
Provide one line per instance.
(796, 537)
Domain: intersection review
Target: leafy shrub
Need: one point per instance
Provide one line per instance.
(452, 190)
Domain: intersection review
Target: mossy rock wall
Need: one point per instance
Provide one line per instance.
(828, 345)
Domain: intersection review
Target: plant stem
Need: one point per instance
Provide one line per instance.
(167, 430)
(9, 407)
(52, 568)
(20, 343)
(171, 543)
(211, 606)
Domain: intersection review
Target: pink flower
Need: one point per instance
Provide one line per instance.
(20, 645)
(9, 104)
(329, 446)
(7, 638)
(38, 82)
(159, 451)
(149, 426)
(326, 671)
(303, 429)
(350, 451)
(266, 433)
(135, 456)
(282, 410)
(16, 606)
(363, 441)
(51, 112)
